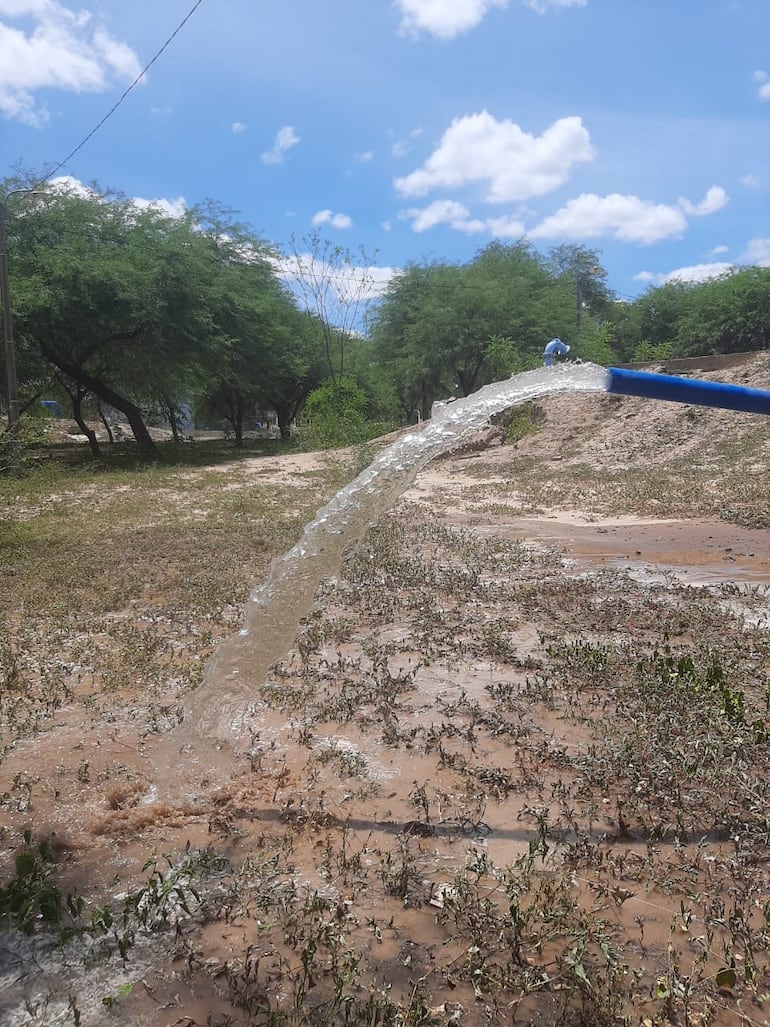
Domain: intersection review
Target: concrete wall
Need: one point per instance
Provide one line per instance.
(679, 365)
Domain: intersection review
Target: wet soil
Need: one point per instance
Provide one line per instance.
(424, 729)
(706, 552)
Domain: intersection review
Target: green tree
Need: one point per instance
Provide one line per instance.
(143, 312)
(527, 300)
(504, 359)
(582, 282)
(300, 368)
(397, 349)
(336, 414)
(624, 320)
(729, 314)
(439, 327)
(108, 295)
(250, 315)
(660, 310)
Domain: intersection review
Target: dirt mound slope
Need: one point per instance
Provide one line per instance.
(612, 431)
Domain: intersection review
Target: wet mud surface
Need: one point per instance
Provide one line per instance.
(695, 552)
(513, 769)
(377, 766)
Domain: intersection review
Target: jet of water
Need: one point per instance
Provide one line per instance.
(218, 709)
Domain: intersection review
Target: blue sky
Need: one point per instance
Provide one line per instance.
(419, 130)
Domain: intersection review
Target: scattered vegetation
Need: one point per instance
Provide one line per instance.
(482, 788)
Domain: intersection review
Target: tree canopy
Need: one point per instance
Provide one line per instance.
(447, 328)
(145, 312)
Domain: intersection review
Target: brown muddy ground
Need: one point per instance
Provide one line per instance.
(485, 786)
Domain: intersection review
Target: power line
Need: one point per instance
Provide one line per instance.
(112, 110)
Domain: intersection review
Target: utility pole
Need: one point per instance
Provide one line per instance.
(9, 348)
(580, 277)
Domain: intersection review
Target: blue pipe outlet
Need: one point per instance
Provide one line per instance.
(687, 390)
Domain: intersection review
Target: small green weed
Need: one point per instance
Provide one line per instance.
(32, 895)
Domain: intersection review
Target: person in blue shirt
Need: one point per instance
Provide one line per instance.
(555, 348)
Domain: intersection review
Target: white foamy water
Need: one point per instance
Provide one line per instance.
(217, 710)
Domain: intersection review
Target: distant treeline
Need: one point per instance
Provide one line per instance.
(120, 307)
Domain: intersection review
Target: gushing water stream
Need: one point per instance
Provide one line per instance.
(217, 710)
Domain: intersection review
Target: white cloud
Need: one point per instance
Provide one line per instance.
(328, 217)
(116, 55)
(757, 252)
(541, 6)
(173, 208)
(750, 181)
(365, 157)
(696, 273)
(402, 146)
(444, 19)
(718, 250)
(347, 283)
(238, 128)
(457, 216)
(379, 279)
(506, 228)
(17, 8)
(442, 212)
(285, 138)
(624, 217)
(511, 163)
(72, 186)
(699, 272)
(763, 82)
(714, 200)
(62, 50)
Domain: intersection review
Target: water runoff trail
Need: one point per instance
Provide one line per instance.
(217, 711)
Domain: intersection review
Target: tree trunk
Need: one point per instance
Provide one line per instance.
(467, 377)
(174, 425)
(76, 399)
(238, 421)
(106, 424)
(174, 428)
(169, 408)
(77, 413)
(107, 395)
(284, 419)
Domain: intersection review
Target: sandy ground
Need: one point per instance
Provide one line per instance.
(370, 783)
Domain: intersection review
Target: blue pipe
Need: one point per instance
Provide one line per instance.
(688, 390)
